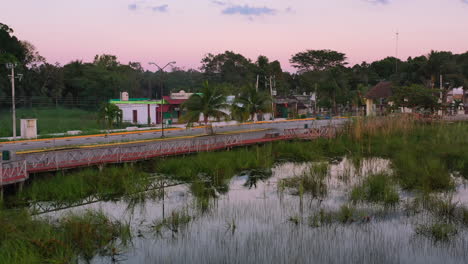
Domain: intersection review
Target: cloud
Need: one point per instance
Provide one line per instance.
(247, 10)
(290, 10)
(132, 7)
(216, 2)
(382, 2)
(465, 1)
(161, 8)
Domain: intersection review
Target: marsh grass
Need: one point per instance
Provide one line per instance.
(111, 182)
(376, 188)
(312, 181)
(439, 232)
(423, 156)
(24, 239)
(174, 223)
(346, 214)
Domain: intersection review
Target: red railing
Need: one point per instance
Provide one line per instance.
(11, 172)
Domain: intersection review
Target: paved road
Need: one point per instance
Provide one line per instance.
(119, 137)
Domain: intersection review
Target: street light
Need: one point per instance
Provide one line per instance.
(20, 76)
(161, 92)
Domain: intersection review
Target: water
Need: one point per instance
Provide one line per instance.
(263, 232)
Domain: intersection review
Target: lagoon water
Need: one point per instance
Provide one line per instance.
(257, 222)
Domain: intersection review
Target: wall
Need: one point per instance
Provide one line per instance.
(142, 110)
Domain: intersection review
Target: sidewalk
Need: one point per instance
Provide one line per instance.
(77, 133)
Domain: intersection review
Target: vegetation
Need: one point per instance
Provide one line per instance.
(110, 114)
(52, 120)
(173, 223)
(106, 184)
(311, 182)
(210, 103)
(378, 188)
(249, 103)
(24, 239)
(439, 231)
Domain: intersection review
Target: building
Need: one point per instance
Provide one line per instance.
(378, 98)
(138, 111)
(173, 110)
(294, 106)
(458, 100)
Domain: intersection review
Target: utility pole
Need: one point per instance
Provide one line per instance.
(161, 91)
(256, 85)
(396, 52)
(315, 100)
(440, 94)
(13, 106)
(272, 99)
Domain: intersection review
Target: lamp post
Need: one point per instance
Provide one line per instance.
(13, 108)
(161, 92)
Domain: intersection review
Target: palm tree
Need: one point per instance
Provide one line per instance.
(110, 114)
(209, 103)
(249, 103)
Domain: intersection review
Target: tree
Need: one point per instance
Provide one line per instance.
(228, 67)
(110, 114)
(209, 104)
(52, 82)
(416, 97)
(249, 103)
(318, 60)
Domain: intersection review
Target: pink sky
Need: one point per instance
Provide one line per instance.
(185, 30)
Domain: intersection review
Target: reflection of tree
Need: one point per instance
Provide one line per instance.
(254, 176)
(206, 190)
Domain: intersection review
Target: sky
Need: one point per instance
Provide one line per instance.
(185, 30)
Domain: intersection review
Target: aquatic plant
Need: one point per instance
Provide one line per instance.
(174, 222)
(376, 188)
(311, 181)
(24, 239)
(108, 183)
(438, 231)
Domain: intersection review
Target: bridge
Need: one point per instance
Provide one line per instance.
(18, 170)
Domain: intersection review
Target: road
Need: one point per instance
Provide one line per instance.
(247, 130)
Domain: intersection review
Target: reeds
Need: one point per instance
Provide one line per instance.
(24, 239)
(312, 181)
(111, 182)
(377, 188)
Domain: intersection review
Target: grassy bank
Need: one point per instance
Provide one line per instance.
(24, 239)
(51, 120)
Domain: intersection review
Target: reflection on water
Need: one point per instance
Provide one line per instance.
(249, 224)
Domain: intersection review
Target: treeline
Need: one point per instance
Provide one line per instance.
(326, 72)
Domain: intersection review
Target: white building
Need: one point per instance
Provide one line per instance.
(139, 111)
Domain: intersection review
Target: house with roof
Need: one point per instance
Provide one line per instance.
(138, 111)
(378, 98)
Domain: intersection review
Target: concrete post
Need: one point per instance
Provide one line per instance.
(370, 107)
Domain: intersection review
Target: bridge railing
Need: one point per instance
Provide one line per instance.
(48, 161)
(12, 172)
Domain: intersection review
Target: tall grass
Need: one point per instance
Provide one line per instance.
(24, 239)
(111, 182)
(423, 155)
(377, 188)
(312, 181)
